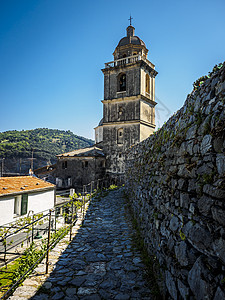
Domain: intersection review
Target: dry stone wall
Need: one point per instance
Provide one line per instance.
(176, 184)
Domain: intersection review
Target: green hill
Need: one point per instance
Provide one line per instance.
(46, 144)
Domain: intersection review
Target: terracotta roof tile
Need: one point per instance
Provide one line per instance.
(17, 184)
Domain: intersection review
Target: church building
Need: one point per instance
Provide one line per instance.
(129, 101)
(128, 117)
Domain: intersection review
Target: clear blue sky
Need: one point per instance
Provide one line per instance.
(52, 52)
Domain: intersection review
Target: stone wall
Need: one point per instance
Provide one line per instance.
(176, 184)
(80, 170)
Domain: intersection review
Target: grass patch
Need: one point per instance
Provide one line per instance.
(6, 278)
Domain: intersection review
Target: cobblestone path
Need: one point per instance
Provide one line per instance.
(99, 263)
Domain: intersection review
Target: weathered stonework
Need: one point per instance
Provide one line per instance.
(79, 167)
(175, 180)
(129, 102)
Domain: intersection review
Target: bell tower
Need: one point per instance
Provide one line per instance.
(129, 101)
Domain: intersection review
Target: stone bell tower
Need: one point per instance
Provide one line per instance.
(129, 101)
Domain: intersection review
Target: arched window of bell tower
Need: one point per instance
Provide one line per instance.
(147, 84)
(122, 82)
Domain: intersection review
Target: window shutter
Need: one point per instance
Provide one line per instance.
(24, 203)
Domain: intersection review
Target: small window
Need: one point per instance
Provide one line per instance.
(64, 165)
(135, 53)
(124, 55)
(120, 112)
(86, 164)
(21, 205)
(69, 181)
(120, 136)
(102, 164)
(122, 82)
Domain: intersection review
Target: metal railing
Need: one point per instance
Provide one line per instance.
(45, 223)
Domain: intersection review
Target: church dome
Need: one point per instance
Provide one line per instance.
(130, 38)
(135, 40)
(101, 122)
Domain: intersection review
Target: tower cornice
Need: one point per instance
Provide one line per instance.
(129, 122)
(131, 98)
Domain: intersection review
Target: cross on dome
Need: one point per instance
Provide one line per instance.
(130, 19)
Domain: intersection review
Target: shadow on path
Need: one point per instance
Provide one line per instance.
(99, 263)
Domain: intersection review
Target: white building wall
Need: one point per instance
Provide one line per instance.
(37, 202)
(41, 201)
(98, 134)
(6, 209)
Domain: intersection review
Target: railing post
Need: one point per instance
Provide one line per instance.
(71, 227)
(97, 184)
(5, 250)
(82, 199)
(48, 243)
(55, 218)
(32, 228)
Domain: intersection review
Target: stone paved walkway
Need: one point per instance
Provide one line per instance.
(99, 263)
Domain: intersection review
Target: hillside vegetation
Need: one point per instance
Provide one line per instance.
(46, 143)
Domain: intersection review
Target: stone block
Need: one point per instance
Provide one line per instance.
(171, 285)
(218, 144)
(206, 144)
(184, 200)
(181, 253)
(192, 185)
(204, 205)
(183, 289)
(191, 132)
(200, 237)
(219, 248)
(220, 163)
(218, 215)
(174, 223)
(219, 295)
(187, 227)
(206, 168)
(200, 287)
(182, 184)
(213, 191)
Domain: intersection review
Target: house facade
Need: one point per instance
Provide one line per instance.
(80, 167)
(24, 195)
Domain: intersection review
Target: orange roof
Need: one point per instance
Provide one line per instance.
(21, 184)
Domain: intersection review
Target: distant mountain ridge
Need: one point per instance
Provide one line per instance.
(16, 147)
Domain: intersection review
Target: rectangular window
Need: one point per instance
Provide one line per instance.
(64, 165)
(24, 204)
(17, 202)
(69, 181)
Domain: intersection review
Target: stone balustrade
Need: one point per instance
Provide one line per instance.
(128, 60)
